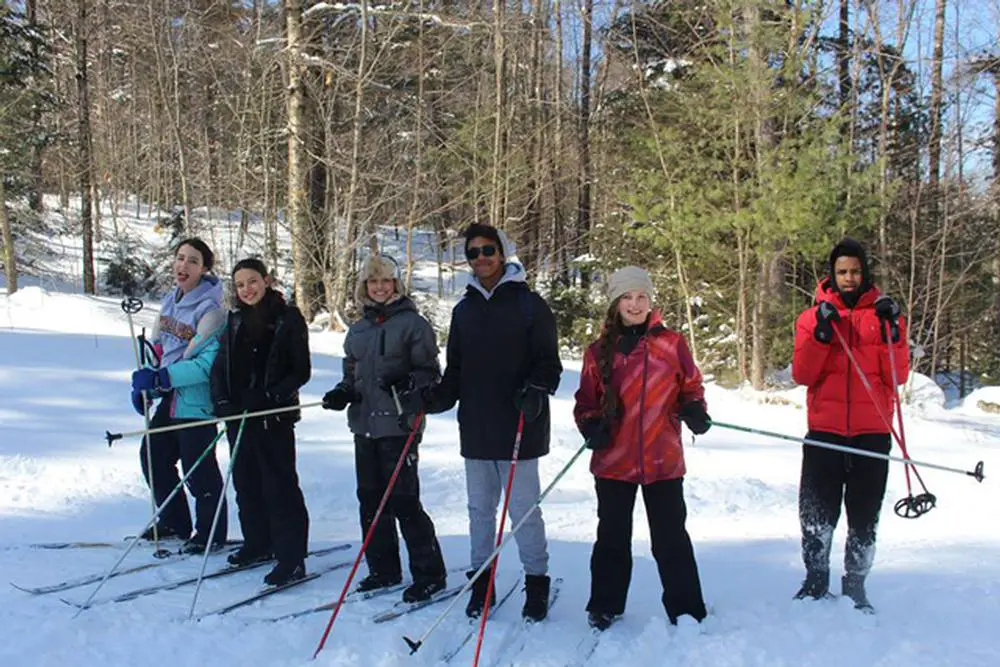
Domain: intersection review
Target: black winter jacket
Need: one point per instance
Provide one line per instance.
(497, 346)
(277, 377)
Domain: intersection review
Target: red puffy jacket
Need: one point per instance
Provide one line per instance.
(652, 381)
(837, 399)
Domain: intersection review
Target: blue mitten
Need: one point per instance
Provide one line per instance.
(150, 379)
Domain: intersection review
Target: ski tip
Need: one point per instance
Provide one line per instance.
(414, 645)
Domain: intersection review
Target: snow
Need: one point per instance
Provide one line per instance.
(64, 366)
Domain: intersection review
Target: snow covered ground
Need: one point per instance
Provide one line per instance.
(64, 370)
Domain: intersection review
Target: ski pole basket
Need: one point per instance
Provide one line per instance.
(914, 507)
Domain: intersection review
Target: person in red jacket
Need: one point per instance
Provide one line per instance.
(841, 411)
(638, 381)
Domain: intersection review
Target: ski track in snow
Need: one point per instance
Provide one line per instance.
(64, 369)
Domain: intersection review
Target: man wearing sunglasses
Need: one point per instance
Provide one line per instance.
(503, 359)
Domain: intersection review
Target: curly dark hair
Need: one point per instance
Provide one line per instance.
(610, 333)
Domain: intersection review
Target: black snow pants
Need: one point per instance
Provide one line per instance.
(272, 510)
(611, 560)
(830, 478)
(205, 484)
(374, 461)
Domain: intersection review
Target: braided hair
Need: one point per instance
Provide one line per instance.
(610, 333)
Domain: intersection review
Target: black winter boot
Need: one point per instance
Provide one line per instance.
(853, 586)
(285, 573)
(375, 581)
(815, 586)
(244, 557)
(536, 597)
(600, 620)
(423, 589)
(478, 598)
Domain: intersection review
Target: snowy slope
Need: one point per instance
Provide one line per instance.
(64, 368)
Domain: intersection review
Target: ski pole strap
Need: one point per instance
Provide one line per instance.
(147, 352)
(976, 473)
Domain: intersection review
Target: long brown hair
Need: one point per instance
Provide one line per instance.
(610, 333)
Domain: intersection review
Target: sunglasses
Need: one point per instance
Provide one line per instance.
(472, 254)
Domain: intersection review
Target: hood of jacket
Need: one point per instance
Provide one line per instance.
(181, 313)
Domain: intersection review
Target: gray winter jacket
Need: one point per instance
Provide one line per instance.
(390, 341)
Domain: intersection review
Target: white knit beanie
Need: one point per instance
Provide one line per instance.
(629, 278)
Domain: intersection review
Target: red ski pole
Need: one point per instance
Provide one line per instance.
(370, 533)
(910, 507)
(503, 517)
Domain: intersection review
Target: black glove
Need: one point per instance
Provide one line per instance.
(696, 417)
(826, 315)
(597, 433)
(337, 398)
(413, 400)
(401, 383)
(255, 400)
(226, 408)
(531, 401)
(888, 311)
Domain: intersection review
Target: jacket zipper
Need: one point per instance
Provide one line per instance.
(847, 358)
(642, 410)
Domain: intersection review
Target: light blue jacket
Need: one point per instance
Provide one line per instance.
(188, 333)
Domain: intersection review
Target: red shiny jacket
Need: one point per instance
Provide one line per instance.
(653, 381)
(837, 400)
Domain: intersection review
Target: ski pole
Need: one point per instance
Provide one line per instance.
(976, 473)
(911, 507)
(867, 385)
(111, 437)
(132, 305)
(415, 644)
(156, 515)
(503, 518)
(371, 532)
(215, 519)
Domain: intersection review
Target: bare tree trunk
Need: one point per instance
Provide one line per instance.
(936, 111)
(996, 196)
(297, 205)
(765, 251)
(35, 159)
(172, 107)
(583, 138)
(559, 240)
(411, 218)
(497, 214)
(7, 235)
(934, 161)
(350, 205)
(85, 162)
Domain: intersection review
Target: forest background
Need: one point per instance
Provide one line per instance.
(724, 144)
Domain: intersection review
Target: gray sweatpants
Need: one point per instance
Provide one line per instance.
(485, 482)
